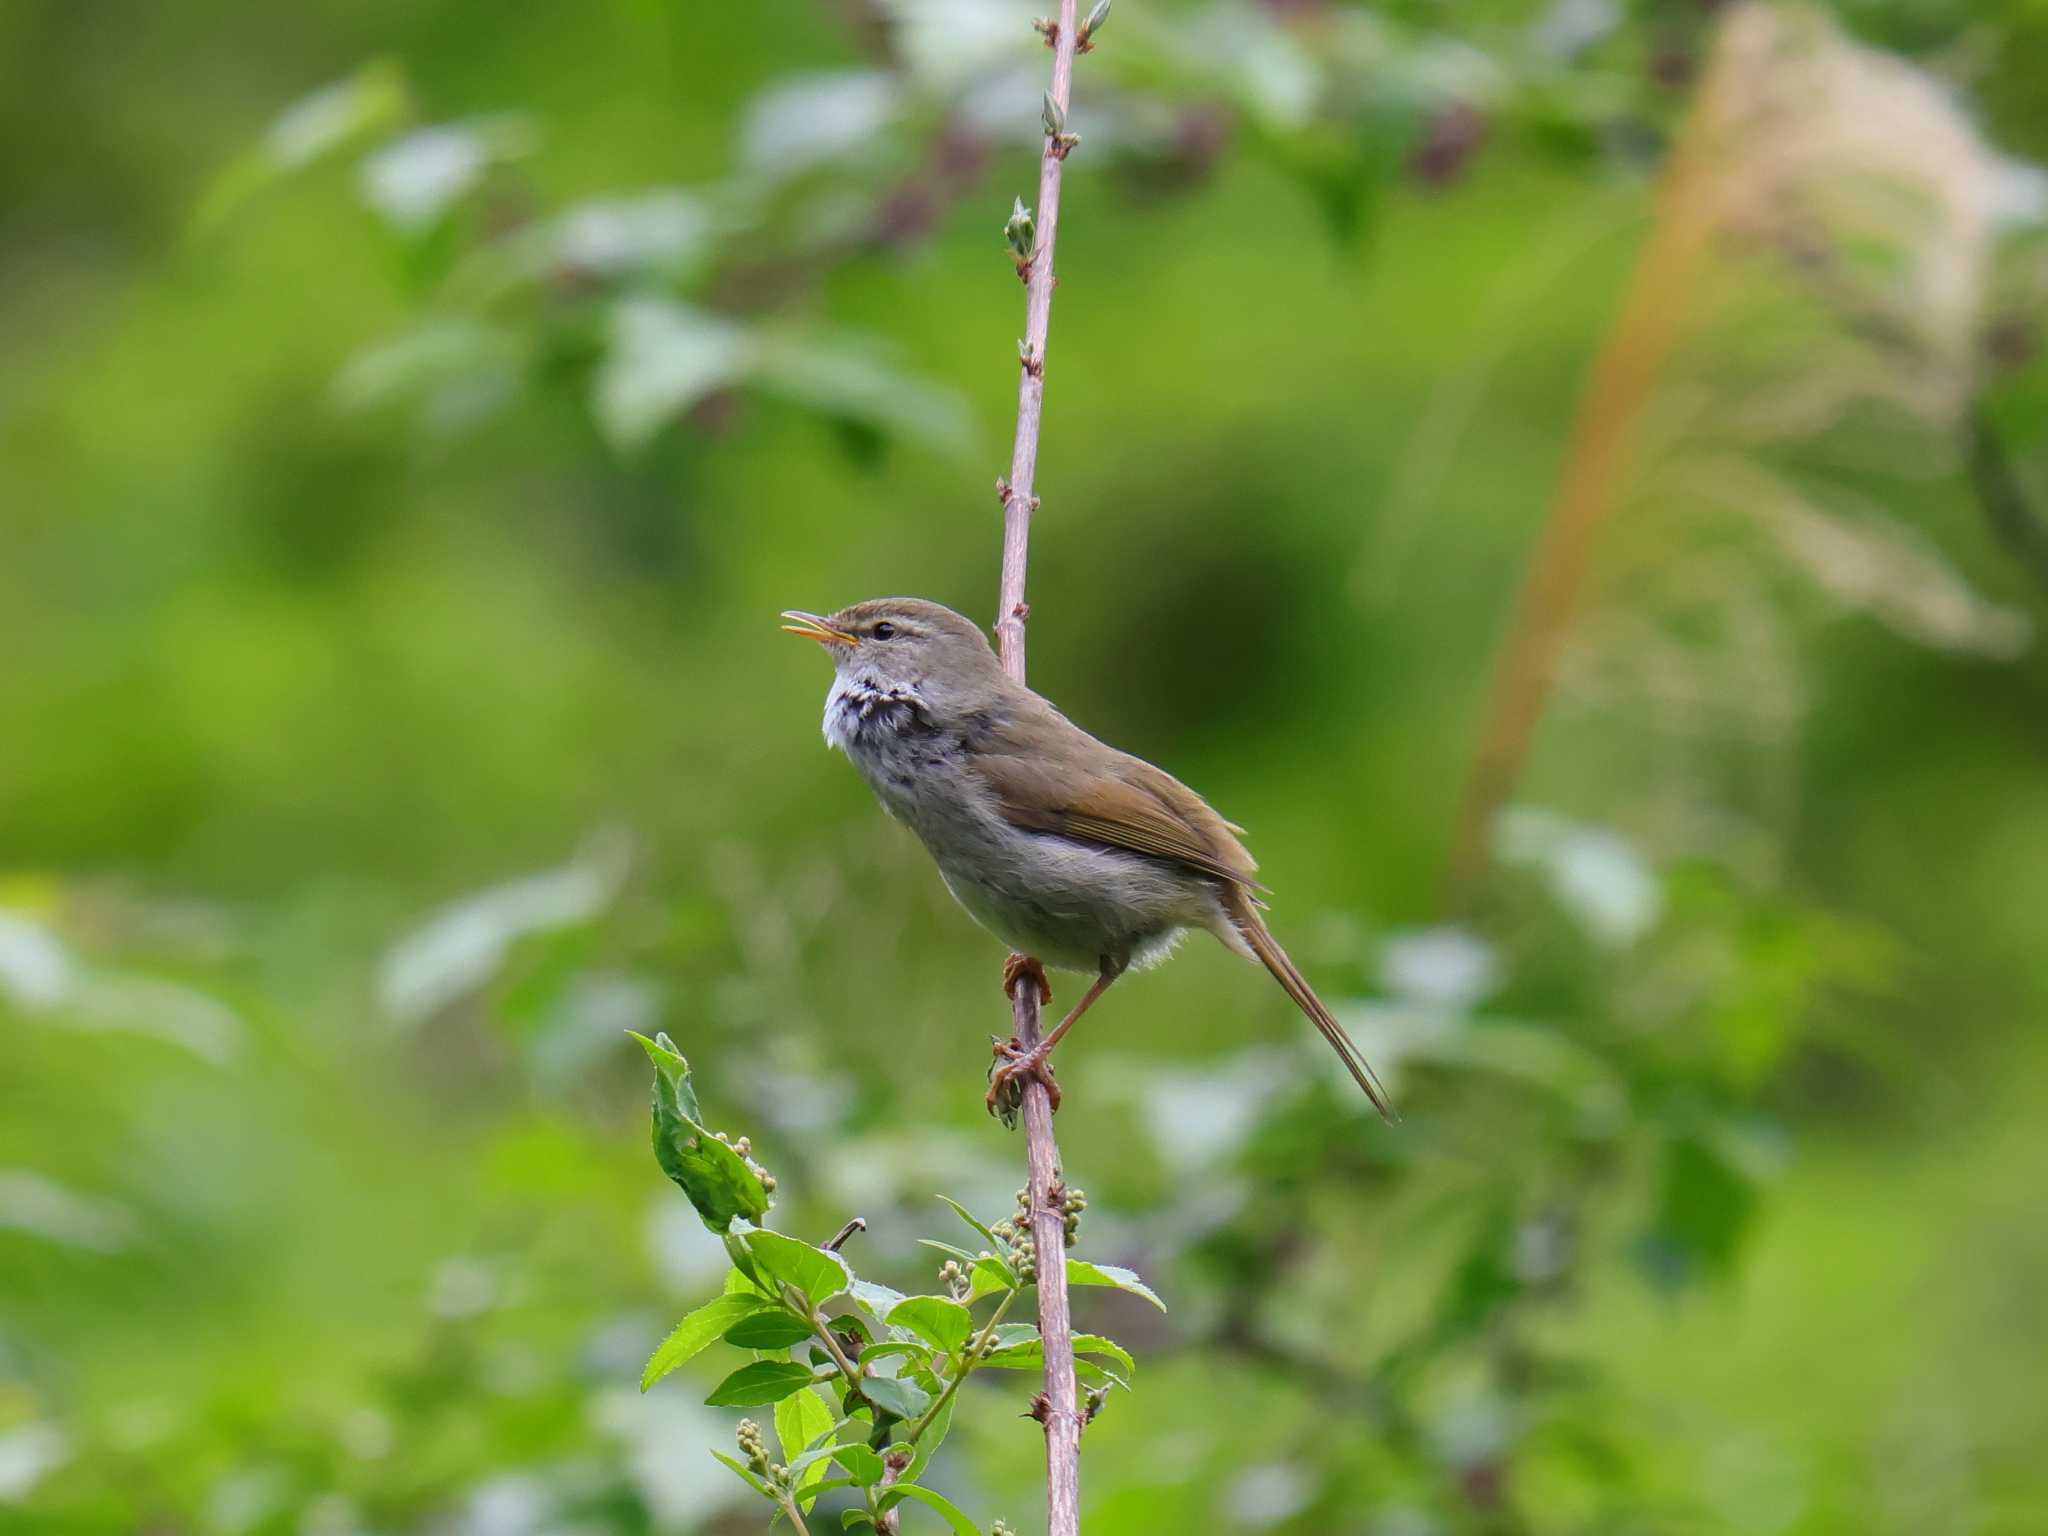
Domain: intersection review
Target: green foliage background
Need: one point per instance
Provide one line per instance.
(362, 782)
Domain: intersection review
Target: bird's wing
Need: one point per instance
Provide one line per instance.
(1073, 785)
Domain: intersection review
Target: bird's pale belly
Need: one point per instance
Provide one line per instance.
(1074, 906)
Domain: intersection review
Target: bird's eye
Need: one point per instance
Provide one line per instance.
(885, 631)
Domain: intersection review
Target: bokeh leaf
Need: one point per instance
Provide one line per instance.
(805, 120)
(662, 358)
(850, 379)
(351, 111)
(413, 182)
(1706, 1207)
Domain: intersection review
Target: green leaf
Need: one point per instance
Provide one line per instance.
(715, 1177)
(817, 1274)
(854, 1323)
(774, 1329)
(1096, 1344)
(740, 1281)
(875, 1299)
(914, 1349)
(949, 1250)
(800, 1419)
(987, 1236)
(1081, 1272)
(848, 1519)
(746, 1473)
(945, 1506)
(939, 1320)
(694, 1332)
(990, 1277)
(674, 1072)
(1030, 1356)
(765, 1381)
(861, 1463)
(905, 1399)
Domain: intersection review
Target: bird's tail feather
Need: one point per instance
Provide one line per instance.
(1274, 958)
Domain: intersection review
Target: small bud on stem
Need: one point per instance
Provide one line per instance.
(1084, 40)
(1021, 234)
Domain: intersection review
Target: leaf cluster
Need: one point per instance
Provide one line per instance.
(864, 1380)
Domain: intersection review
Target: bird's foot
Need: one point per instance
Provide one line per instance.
(1016, 968)
(1012, 1068)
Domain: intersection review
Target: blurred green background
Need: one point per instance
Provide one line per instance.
(412, 417)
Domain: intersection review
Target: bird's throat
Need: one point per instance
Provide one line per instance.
(864, 713)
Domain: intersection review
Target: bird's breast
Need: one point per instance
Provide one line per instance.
(915, 769)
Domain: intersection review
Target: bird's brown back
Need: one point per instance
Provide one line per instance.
(1051, 776)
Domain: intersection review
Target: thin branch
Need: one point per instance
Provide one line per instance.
(823, 1329)
(888, 1522)
(1062, 1418)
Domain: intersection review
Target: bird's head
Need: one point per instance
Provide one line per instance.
(905, 645)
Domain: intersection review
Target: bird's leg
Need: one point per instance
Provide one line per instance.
(1014, 1064)
(1016, 968)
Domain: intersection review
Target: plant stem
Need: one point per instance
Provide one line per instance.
(846, 1367)
(796, 1518)
(1062, 1418)
(967, 1365)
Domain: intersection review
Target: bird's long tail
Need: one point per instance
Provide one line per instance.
(1246, 918)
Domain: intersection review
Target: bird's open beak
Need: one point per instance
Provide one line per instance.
(813, 627)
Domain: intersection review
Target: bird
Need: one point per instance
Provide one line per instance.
(1076, 855)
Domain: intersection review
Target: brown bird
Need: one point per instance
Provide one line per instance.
(1073, 853)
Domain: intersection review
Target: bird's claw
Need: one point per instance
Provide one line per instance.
(1016, 968)
(1011, 1069)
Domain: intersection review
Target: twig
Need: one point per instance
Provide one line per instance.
(1048, 1221)
(888, 1522)
(823, 1329)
